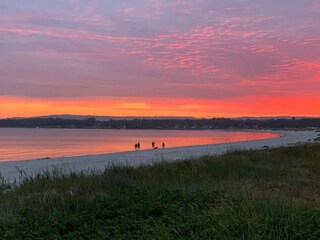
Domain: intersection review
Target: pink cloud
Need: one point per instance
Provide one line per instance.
(208, 49)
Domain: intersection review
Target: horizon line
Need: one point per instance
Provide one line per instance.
(163, 117)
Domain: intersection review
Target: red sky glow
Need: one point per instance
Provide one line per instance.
(206, 58)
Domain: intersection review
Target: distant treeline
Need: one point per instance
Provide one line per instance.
(214, 123)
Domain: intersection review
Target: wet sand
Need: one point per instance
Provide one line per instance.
(11, 171)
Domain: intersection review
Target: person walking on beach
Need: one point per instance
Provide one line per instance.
(135, 146)
(163, 145)
(138, 145)
(153, 143)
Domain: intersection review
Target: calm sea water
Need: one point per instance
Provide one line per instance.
(22, 144)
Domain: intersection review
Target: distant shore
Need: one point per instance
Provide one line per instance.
(12, 171)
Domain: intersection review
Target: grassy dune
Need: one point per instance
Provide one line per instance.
(265, 194)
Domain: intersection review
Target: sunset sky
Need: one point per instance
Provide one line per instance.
(204, 58)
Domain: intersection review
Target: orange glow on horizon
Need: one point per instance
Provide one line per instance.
(249, 106)
(74, 58)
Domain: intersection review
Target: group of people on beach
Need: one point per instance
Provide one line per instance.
(153, 144)
(137, 146)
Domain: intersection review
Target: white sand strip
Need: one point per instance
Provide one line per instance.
(12, 170)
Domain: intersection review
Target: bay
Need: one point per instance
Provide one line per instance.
(26, 143)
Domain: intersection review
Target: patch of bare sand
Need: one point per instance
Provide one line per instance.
(12, 171)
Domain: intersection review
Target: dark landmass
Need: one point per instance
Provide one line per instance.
(108, 118)
(214, 123)
(104, 118)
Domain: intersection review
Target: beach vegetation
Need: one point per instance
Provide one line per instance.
(258, 194)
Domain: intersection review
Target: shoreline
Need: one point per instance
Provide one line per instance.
(274, 132)
(54, 155)
(11, 171)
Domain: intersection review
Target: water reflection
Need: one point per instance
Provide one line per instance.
(20, 144)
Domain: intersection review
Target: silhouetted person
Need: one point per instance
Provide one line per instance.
(138, 145)
(163, 145)
(153, 143)
(135, 146)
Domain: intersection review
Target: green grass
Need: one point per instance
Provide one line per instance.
(265, 194)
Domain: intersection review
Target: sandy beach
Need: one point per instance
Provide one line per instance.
(11, 171)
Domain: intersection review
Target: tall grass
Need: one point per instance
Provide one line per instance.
(264, 194)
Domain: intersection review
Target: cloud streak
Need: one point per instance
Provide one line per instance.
(212, 51)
